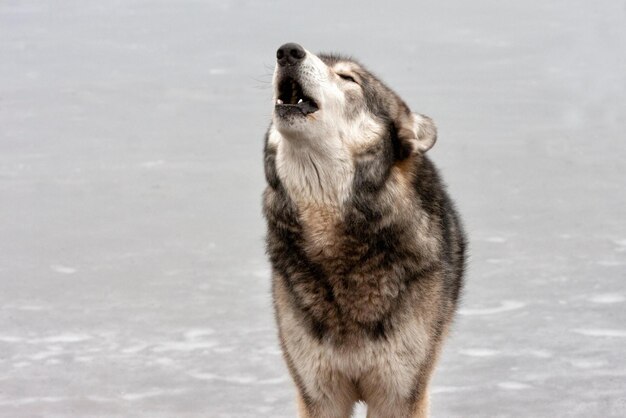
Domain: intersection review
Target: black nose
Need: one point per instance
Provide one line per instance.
(290, 54)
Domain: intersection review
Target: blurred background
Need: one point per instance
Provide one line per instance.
(133, 280)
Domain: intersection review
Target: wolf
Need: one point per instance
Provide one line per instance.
(366, 247)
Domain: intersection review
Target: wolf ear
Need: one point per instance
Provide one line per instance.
(419, 131)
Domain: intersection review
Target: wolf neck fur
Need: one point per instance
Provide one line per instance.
(320, 172)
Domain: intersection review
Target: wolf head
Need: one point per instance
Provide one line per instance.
(329, 97)
(328, 111)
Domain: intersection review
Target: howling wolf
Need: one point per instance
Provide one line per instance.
(367, 249)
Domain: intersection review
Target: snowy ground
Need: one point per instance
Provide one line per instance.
(133, 277)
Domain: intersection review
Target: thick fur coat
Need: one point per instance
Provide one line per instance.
(367, 250)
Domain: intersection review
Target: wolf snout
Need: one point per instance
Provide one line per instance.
(290, 54)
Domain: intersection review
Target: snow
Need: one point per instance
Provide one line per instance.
(505, 306)
(133, 275)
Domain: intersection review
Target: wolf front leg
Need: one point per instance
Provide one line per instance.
(331, 409)
(409, 409)
(418, 409)
(422, 406)
(302, 408)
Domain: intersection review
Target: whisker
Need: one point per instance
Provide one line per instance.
(264, 84)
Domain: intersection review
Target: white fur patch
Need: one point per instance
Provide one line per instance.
(311, 174)
(315, 153)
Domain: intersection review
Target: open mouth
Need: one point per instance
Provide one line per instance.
(291, 98)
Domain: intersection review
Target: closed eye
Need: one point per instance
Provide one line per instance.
(347, 77)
